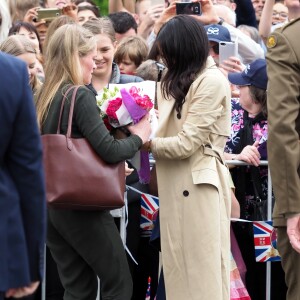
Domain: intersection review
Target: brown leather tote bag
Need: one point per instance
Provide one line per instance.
(76, 177)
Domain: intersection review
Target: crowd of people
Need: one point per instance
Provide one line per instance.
(212, 109)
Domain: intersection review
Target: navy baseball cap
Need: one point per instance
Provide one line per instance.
(217, 33)
(254, 74)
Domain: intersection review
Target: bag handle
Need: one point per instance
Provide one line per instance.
(62, 107)
(71, 111)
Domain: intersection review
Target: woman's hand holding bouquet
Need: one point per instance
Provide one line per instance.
(133, 109)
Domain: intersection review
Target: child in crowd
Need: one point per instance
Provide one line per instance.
(131, 52)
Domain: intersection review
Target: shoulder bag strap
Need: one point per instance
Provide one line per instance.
(62, 107)
(71, 111)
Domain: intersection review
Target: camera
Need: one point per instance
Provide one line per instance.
(48, 14)
(188, 8)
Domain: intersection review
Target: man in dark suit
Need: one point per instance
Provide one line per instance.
(22, 188)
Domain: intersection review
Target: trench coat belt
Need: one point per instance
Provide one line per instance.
(208, 150)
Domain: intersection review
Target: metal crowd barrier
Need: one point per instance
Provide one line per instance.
(269, 215)
(121, 214)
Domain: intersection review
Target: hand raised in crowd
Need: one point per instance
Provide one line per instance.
(166, 15)
(209, 15)
(32, 15)
(153, 13)
(142, 128)
(149, 19)
(22, 291)
(250, 154)
(232, 65)
(70, 10)
(293, 232)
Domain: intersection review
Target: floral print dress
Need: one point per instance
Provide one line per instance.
(260, 133)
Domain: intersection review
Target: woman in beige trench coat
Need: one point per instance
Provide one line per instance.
(193, 182)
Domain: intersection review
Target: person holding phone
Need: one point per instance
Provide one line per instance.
(219, 37)
(248, 49)
(248, 142)
(222, 49)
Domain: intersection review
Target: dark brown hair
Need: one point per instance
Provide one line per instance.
(183, 47)
(259, 96)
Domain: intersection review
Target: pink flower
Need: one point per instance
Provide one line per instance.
(143, 101)
(113, 106)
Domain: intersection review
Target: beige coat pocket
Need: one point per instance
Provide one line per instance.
(206, 176)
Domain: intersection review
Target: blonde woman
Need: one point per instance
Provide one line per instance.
(84, 244)
(23, 48)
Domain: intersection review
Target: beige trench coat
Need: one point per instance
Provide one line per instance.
(194, 190)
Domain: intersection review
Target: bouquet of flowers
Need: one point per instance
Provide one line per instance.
(128, 103)
(125, 106)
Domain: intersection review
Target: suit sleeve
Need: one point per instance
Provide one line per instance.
(205, 108)
(26, 169)
(283, 115)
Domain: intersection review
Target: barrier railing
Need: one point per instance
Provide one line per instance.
(229, 162)
(263, 163)
(269, 215)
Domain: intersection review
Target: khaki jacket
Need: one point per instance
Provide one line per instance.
(194, 190)
(283, 67)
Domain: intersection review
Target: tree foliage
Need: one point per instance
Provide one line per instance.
(103, 5)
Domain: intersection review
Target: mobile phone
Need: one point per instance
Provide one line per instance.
(48, 14)
(157, 2)
(227, 49)
(188, 8)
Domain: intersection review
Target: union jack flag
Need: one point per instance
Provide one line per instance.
(148, 289)
(149, 209)
(265, 241)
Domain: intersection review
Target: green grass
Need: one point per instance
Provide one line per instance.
(103, 4)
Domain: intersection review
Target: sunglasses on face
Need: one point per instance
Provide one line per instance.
(215, 48)
(160, 68)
